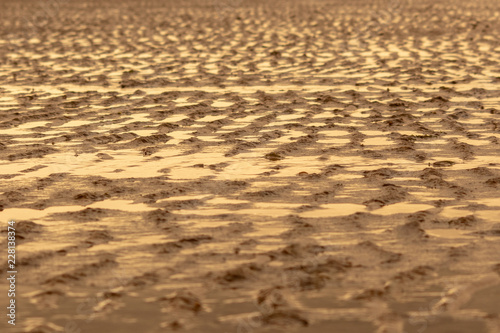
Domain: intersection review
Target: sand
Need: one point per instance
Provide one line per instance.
(220, 166)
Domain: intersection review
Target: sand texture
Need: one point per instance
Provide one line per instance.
(250, 166)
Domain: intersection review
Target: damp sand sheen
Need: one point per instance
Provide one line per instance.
(295, 166)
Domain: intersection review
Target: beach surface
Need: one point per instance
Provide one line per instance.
(250, 166)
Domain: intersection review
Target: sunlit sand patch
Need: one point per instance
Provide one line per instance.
(38, 214)
(138, 117)
(404, 180)
(492, 202)
(183, 173)
(323, 115)
(360, 164)
(76, 123)
(22, 129)
(84, 164)
(273, 205)
(178, 284)
(268, 211)
(230, 128)
(317, 124)
(477, 121)
(262, 210)
(211, 118)
(289, 116)
(400, 208)
(374, 133)
(188, 197)
(335, 141)
(179, 136)
(128, 244)
(7, 100)
(341, 238)
(241, 171)
(41, 246)
(334, 133)
(334, 210)
(101, 107)
(206, 211)
(480, 143)
(409, 133)
(428, 196)
(27, 126)
(8, 107)
(454, 234)
(454, 212)
(267, 229)
(492, 216)
(30, 139)
(378, 141)
(211, 138)
(126, 205)
(222, 200)
(221, 104)
(490, 161)
(361, 114)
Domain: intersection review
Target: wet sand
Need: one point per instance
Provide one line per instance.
(217, 166)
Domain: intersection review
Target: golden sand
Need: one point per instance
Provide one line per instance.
(238, 166)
